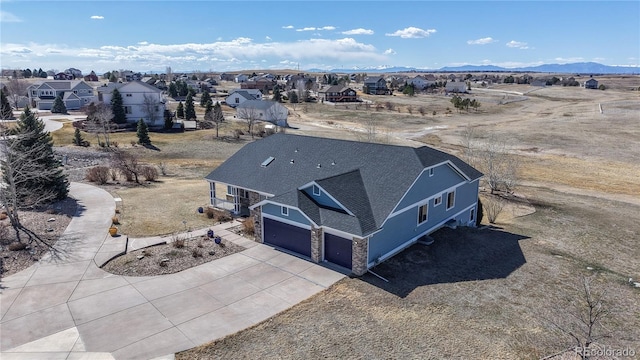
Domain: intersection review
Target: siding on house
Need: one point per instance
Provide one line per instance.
(275, 211)
(444, 176)
(323, 199)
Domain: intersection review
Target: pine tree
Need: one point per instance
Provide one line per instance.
(119, 116)
(58, 106)
(5, 111)
(168, 121)
(31, 135)
(77, 138)
(180, 110)
(205, 98)
(143, 133)
(277, 96)
(189, 109)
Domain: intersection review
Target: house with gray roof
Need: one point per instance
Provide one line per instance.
(75, 94)
(270, 111)
(352, 204)
(238, 96)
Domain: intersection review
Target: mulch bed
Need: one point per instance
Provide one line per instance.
(49, 223)
(169, 258)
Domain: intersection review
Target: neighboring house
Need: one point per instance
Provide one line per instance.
(75, 94)
(62, 76)
(91, 77)
(376, 85)
(260, 83)
(227, 77)
(353, 204)
(133, 99)
(75, 73)
(340, 93)
(270, 111)
(538, 82)
(420, 82)
(456, 87)
(591, 84)
(240, 78)
(238, 96)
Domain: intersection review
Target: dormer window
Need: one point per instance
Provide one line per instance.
(431, 172)
(285, 211)
(316, 190)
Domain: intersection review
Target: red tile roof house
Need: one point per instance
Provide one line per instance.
(350, 204)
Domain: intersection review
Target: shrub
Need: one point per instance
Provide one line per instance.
(98, 174)
(493, 207)
(249, 227)
(17, 246)
(128, 175)
(196, 253)
(3, 216)
(178, 243)
(115, 221)
(211, 213)
(163, 168)
(4, 233)
(114, 174)
(223, 216)
(149, 173)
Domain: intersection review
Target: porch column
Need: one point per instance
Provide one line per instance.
(316, 244)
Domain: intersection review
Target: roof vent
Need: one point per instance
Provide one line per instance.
(333, 163)
(296, 150)
(319, 166)
(291, 162)
(268, 161)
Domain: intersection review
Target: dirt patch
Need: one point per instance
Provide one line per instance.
(171, 258)
(48, 223)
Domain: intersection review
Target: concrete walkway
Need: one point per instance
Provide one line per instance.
(66, 307)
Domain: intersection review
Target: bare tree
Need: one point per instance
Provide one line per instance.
(583, 321)
(16, 89)
(127, 163)
(99, 121)
(150, 106)
(250, 115)
(21, 167)
(302, 91)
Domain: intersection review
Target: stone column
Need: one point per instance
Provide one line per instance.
(316, 244)
(359, 256)
(256, 216)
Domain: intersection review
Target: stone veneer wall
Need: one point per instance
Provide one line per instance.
(256, 215)
(359, 256)
(316, 244)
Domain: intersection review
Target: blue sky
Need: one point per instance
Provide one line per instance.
(243, 35)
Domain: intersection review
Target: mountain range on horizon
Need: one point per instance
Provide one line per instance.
(571, 68)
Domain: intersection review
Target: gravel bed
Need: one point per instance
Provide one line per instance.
(169, 259)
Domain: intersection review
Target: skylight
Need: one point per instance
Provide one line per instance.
(268, 161)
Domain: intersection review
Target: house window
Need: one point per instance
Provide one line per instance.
(437, 201)
(237, 100)
(316, 190)
(285, 211)
(127, 109)
(451, 197)
(129, 95)
(422, 213)
(472, 215)
(229, 190)
(431, 172)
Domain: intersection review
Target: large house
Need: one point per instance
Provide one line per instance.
(238, 96)
(340, 93)
(376, 85)
(271, 111)
(140, 101)
(456, 87)
(591, 84)
(352, 204)
(420, 82)
(75, 94)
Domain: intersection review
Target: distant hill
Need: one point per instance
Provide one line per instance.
(573, 68)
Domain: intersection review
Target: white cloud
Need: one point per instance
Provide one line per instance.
(311, 28)
(288, 27)
(358, 31)
(412, 33)
(569, 60)
(482, 41)
(517, 44)
(268, 38)
(307, 29)
(389, 52)
(7, 17)
(143, 43)
(97, 17)
(224, 55)
(328, 28)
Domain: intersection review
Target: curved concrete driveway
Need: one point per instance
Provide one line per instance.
(65, 307)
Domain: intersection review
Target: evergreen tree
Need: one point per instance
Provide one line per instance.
(173, 90)
(119, 116)
(277, 96)
(218, 116)
(143, 133)
(168, 121)
(206, 97)
(180, 111)
(113, 78)
(5, 110)
(58, 106)
(77, 138)
(189, 109)
(31, 135)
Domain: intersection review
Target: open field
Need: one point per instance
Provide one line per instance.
(487, 294)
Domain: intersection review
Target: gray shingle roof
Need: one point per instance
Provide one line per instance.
(368, 179)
